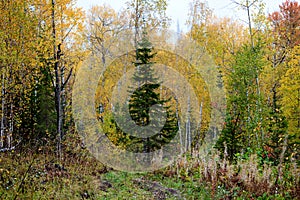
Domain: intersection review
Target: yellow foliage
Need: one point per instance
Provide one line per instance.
(290, 91)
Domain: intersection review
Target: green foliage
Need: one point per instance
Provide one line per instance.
(114, 133)
(230, 142)
(243, 127)
(146, 96)
(140, 102)
(276, 135)
(44, 101)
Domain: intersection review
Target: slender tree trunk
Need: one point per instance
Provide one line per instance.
(188, 126)
(136, 24)
(197, 146)
(249, 23)
(179, 128)
(62, 83)
(62, 100)
(248, 118)
(10, 114)
(2, 132)
(56, 55)
(11, 127)
(298, 110)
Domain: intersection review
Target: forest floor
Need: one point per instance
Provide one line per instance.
(41, 175)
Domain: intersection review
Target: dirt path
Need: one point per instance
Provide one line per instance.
(159, 191)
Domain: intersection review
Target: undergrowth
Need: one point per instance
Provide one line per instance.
(40, 174)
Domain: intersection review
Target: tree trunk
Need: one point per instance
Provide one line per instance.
(56, 56)
(2, 131)
(179, 128)
(188, 126)
(136, 24)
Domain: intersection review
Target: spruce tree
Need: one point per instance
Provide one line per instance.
(231, 140)
(277, 126)
(146, 95)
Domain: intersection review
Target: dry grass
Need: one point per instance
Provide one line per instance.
(246, 177)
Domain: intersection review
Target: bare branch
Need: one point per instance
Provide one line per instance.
(68, 78)
(67, 33)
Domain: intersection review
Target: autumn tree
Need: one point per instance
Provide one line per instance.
(17, 62)
(290, 99)
(285, 39)
(219, 37)
(285, 27)
(63, 21)
(149, 15)
(104, 31)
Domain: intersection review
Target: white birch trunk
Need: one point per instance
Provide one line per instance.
(188, 126)
(11, 127)
(2, 132)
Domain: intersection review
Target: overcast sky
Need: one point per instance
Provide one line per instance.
(178, 9)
